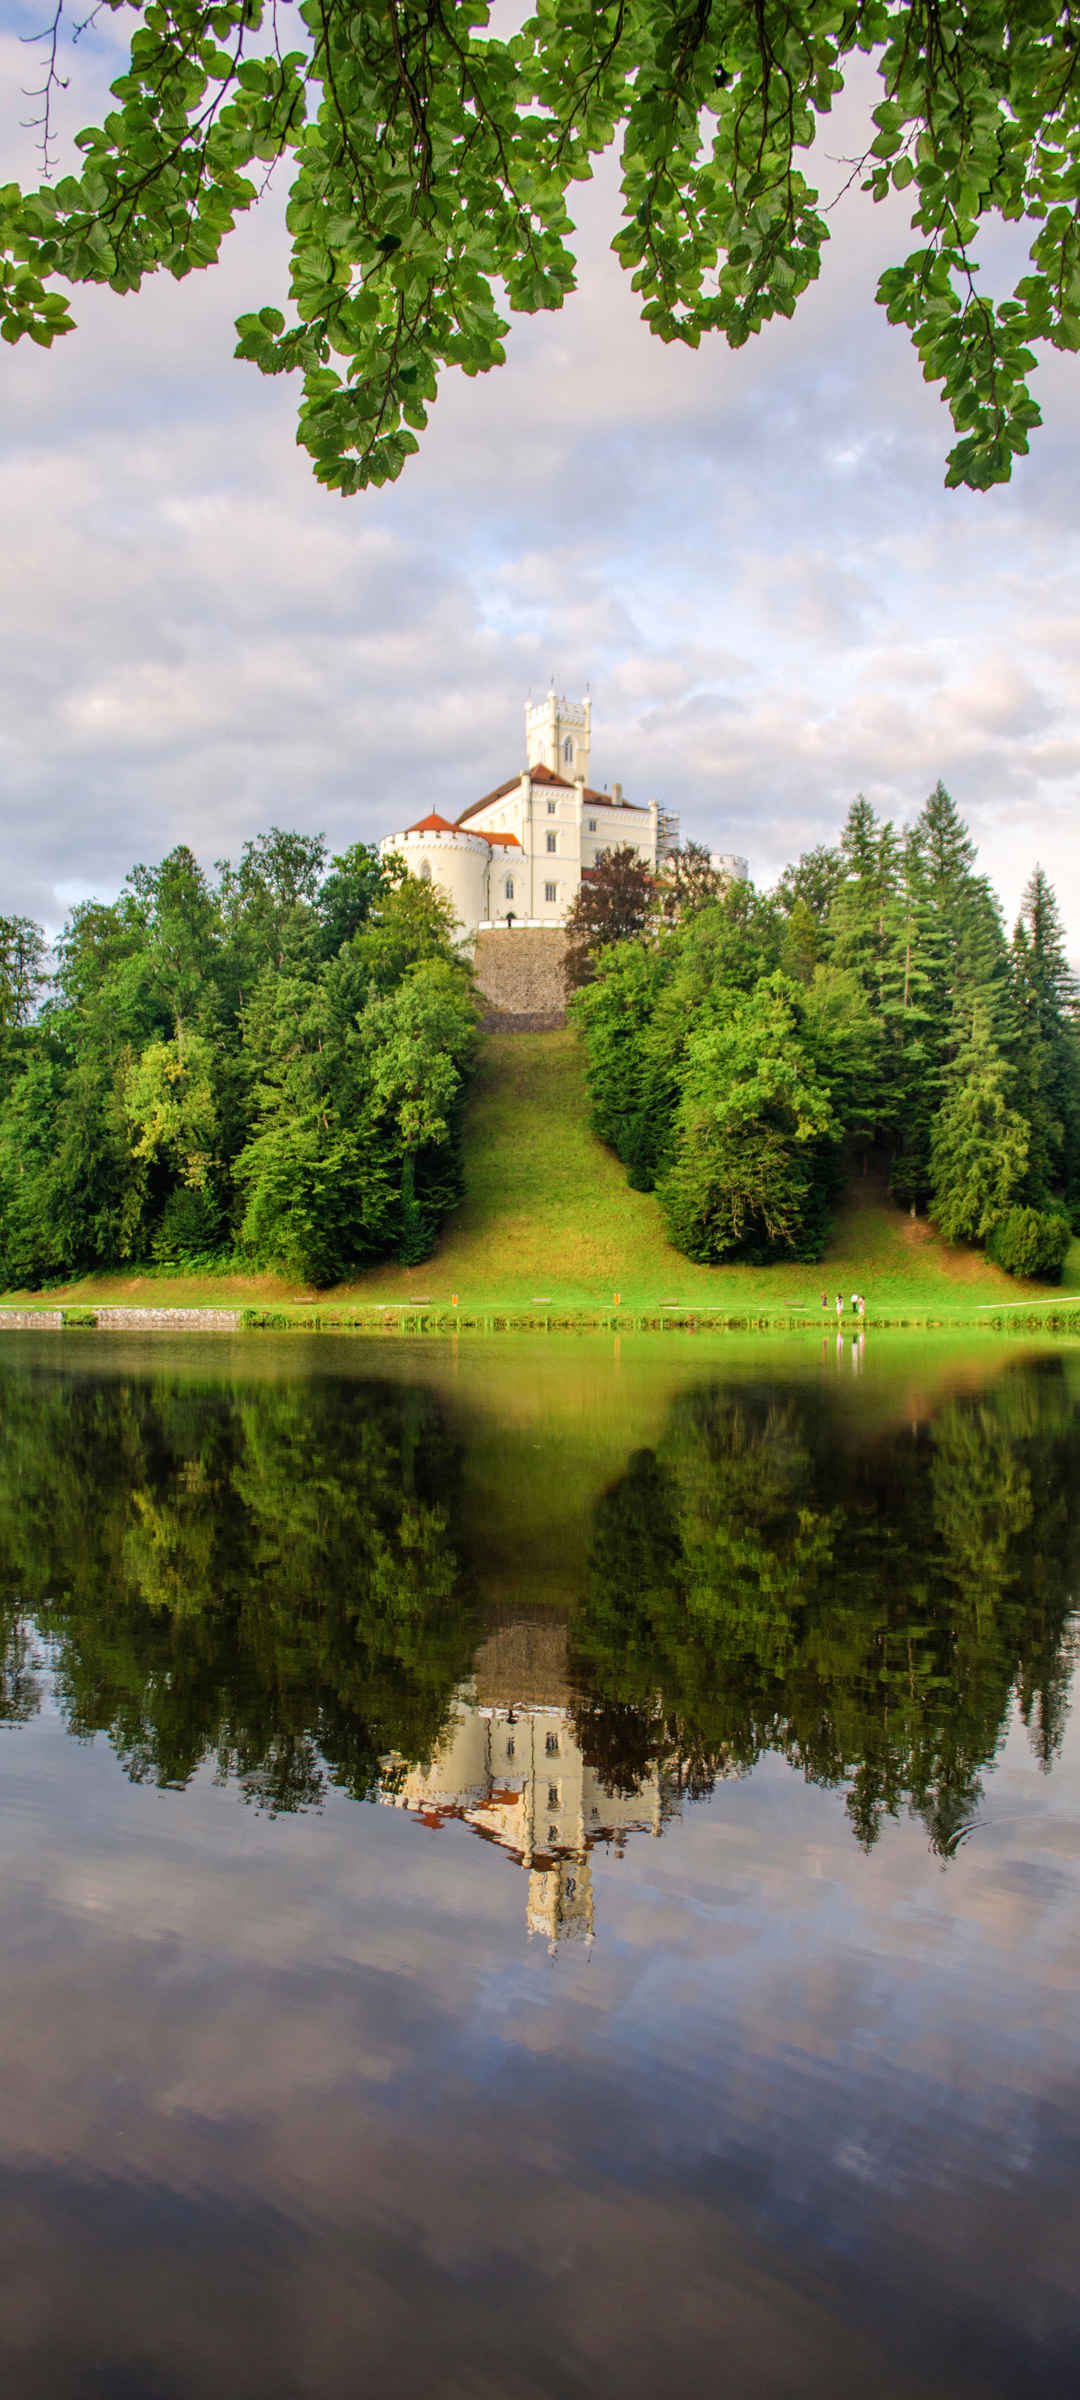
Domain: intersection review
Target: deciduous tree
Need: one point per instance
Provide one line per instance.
(432, 162)
(615, 902)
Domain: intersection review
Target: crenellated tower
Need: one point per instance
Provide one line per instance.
(557, 735)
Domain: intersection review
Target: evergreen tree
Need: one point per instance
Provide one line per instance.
(1047, 1009)
(979, 1146)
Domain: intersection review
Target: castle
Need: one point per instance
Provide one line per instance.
(518, 856)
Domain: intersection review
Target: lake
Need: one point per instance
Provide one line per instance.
(539, 1869)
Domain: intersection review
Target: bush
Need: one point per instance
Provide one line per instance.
(1031, 1242)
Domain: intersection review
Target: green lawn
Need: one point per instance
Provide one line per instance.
(548, 1222)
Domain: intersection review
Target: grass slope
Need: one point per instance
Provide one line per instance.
(549, 1217)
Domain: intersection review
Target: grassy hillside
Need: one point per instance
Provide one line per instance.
(548, 1218)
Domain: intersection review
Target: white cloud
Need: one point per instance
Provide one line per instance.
(750, 557)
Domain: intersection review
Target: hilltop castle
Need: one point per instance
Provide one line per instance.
(518, 855)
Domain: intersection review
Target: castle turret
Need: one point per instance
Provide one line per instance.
(557, 734)
(458, 861)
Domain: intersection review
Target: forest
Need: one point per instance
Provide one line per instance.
(751, 1053)
(268, 1067)
(270, 1064)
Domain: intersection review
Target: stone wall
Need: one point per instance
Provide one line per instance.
(519, 972)
(168, 1320)
(123, 1320)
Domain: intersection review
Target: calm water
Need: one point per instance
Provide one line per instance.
(539, 1871)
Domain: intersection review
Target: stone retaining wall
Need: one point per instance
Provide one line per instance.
(122, 1320)
(168, 1320)
(520, 974)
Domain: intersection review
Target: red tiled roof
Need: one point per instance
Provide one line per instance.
(431, 824)
(500, 794)
(542, 774)
(501, 837)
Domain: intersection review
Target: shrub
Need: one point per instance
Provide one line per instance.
(1031, 1242)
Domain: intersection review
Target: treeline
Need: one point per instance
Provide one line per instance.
(749, 1052)
(267, 1064)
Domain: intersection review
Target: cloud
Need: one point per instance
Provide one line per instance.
(751, 558)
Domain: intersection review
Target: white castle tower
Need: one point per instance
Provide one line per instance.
(557, 735)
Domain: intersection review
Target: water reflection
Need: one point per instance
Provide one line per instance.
(295, 2085)
(269, 1578)
(285, 1579)
(519, 1777)
(864, 1608)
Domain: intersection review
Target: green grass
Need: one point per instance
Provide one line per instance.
(550, 1228)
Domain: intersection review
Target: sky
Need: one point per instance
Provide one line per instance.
(748, 559)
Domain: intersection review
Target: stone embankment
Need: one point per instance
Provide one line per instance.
(120, 1320)
(521, 973)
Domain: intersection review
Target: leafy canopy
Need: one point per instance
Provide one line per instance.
(431, 163)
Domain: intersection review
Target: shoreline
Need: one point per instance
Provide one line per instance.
(405, 1320)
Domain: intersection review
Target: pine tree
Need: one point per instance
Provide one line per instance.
(1046, 1001)
(955, 954)
(979, 1145)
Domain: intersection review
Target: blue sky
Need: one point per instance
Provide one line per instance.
(750, 560)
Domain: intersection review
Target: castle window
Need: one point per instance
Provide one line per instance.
(551, 1744)
(425, 872)
(553, 1795)
(592, 824)
(509, 887)
(550, 893)
(552, 841)
(509, 1745)
(551, 808)
(568, 750)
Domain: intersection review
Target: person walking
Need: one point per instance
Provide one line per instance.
(839, 1306)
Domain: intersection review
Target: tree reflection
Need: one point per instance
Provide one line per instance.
(760, 1582)
(270, 1580)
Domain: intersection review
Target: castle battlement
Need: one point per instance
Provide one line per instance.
(572, 712)
(557, 733)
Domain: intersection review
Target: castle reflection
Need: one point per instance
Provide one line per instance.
(511, 1766)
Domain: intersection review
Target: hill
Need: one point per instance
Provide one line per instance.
(549, 1222)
